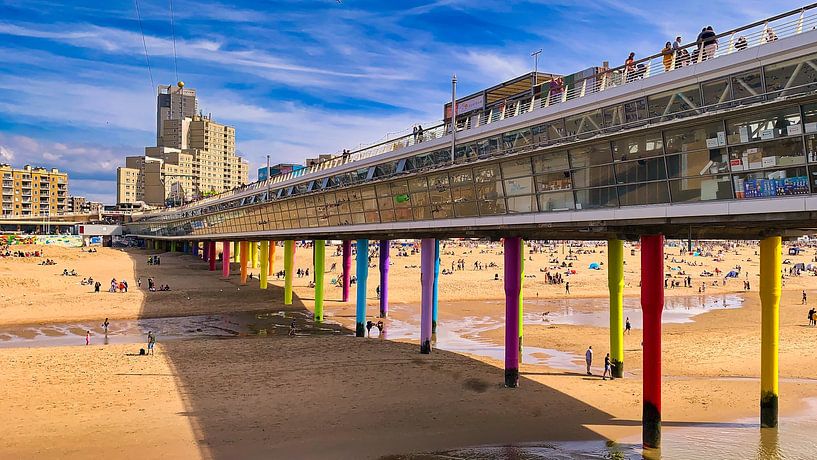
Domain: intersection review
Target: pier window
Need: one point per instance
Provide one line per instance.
(592, 198)
(716, 92)
(593, 177)
(771, 183)
(639, 146)
(627, 114)
(640, 194)
(791, 77)
(702, 188)
(710, 135)
(490, 193)
(550, 161)
(402, 200)
(698, 163)
(584, 124)
(641, 170)
(678, 103)
(747, 87)
(516, 140)
(764, 155)
(764, 125)
(595, 154)
(558, 201)
(463, 194)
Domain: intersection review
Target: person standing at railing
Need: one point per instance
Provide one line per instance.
(708, 43)
(769, 36)
(556, 88)
(667, 54)
(419, 133)
(629, 67)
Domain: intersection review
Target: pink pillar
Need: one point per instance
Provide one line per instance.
(212, 254)
(427, 256)
(346, 267)
(513, 285)
(225, 259)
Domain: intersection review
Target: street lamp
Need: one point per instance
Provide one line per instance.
(453, 115)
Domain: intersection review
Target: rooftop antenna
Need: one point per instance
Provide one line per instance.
(535, 78)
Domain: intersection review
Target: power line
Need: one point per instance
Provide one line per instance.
(144, 45)
(173, 32)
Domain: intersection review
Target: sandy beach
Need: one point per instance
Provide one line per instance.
(337, 396)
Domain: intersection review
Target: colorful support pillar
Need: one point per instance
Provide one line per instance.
(264, 253)
(319, 251)
(615, 283)
(652, 306)
(770, 248)
(212, 253)
(513, 287)
(384, 277)
(235, 252)
(173, 246)
(427, 255)
(206, 251)
(254, 253)
(245, 252)
(271, 257)
(196, 248)
(225, 259)
(346, 265)
(289, 268)
(362, 273)
(435, 287)
(521, 291)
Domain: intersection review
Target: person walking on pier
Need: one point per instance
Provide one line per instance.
(588, 357)
(607, 370)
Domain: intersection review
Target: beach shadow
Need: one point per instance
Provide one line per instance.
(333, 395)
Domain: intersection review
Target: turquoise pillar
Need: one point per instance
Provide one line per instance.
(362, 261)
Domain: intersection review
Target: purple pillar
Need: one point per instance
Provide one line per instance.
(212, 253)
(427, 256)
(384, 278)
(225, 259)
(346, 267)
(513, 285)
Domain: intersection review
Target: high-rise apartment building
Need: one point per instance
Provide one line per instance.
(33, 191)
(173, 103)
(195, 156)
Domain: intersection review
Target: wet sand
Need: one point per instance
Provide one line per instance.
(341, 397)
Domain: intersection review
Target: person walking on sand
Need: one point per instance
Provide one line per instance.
(588, 357)
(369, 325)
(567, 287)
(627, 326)
(105, 326)
(607, 368)
(292, 327)
(87, 338)
(811, 317)
(151, 342)
(804, 296)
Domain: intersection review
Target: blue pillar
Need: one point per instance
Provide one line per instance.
(436, 286)
(362, 273)
(196, 248)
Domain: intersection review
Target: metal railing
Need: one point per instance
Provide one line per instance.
(555, 92)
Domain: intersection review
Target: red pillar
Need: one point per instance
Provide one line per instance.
(212, 255)
(652, 305)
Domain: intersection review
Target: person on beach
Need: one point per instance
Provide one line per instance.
(380, 327)
(627, 326)
(292, 327)
(607, 369)
(369, 325)
(567, 287)
(811, 314)
(588, 357)
(804, 296)
(87, 338)
(105, 326)
(151, 342)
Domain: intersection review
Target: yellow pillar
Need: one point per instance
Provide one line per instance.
(253, 254)
(770, 255)
(264, 264)
(271, 257)
(289, 268)
(245, 246)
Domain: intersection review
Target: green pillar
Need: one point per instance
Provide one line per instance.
(289, 268)
(615, 283)
(234, 253)
(173, 246)
(320, 257)
(264, 265)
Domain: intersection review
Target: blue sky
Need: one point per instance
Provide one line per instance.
(295, 78)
